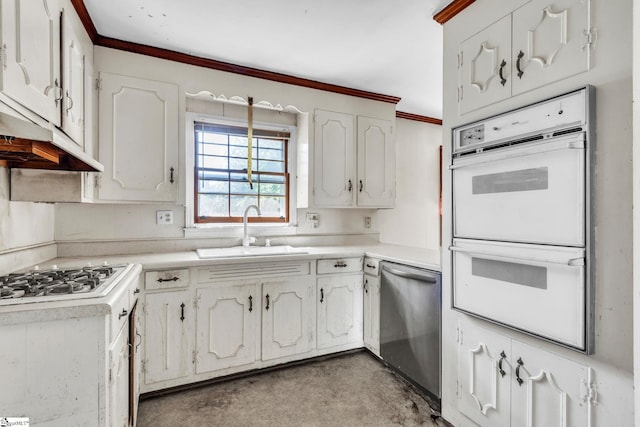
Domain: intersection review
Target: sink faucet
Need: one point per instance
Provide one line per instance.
(246, 240)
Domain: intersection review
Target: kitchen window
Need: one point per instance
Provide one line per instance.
(222, 189)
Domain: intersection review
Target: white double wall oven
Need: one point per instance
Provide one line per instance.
(522, 208)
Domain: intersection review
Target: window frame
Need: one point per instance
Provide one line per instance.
(191, 118)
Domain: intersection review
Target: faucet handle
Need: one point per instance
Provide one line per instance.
(251, 239)
(267, 242)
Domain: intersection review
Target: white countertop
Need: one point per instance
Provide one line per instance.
(417, 257)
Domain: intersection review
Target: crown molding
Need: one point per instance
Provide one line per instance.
(451, 10)
(418, 118)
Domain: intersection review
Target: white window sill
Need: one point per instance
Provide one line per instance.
(237, 230)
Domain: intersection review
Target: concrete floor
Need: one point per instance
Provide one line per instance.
(350, 390)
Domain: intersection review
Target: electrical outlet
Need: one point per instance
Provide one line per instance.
(164, 217)
(312, 216)
(367, 222)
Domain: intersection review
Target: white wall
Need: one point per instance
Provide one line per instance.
(611, 75)
(636, 202)
(415, 220)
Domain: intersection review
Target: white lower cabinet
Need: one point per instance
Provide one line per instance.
(339, 307)
(504, 382)
(119, 379)
(372, 313)
(168, 326)
(227, 325)
(288, 317)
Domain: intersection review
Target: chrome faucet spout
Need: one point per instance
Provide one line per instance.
(246, 240)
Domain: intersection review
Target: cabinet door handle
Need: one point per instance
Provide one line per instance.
(139, 342)
(182, 312)
(171, 175)
(520, 364)
(173, 279)
(502, 357)
(321, 295)
(136, 291)
(250, 303)
(370, 265)
(70, 104)
(122, 313)
(58, 88)
(366, 282)
(520, 72)
(267, 307)
(350, 187)
(502, 79)
(361, 186)
(340, 264)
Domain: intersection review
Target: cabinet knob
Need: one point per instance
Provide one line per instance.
(321, 295)
(123, 313)
(171, 175)
(350, 186)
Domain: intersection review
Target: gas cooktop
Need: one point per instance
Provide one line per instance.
(56, 283)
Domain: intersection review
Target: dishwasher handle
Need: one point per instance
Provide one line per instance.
(427, 278)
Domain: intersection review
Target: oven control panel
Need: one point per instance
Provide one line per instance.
(533, 122)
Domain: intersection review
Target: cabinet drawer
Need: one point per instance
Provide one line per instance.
(166, 279)
(371, 266)
(339, 265)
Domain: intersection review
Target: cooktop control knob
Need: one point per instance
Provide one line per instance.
(89, 264)
(55, 267)
(36, 268)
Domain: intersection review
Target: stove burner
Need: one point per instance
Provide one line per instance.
(55, 281)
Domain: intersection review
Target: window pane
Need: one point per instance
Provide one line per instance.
(244, 188)
(240, 203)
(270, 154)
(213, 205)
(213, 162)
(214, 149)
(271, 143)
(272, 189)
(270, 166)
(238, 164)
(272, 206)
(238, 151)
(240, 141)
(220, 187)
(215, 137)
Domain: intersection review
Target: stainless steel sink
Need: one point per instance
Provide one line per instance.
(249, 251)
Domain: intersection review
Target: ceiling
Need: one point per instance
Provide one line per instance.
(385, 46)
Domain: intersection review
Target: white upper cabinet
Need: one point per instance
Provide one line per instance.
(138, 139)
(73, 79)
(539, 43)
(551, 41)
(350, 171)
(334, 159)
(376, 163)
(484, 62)
(30, 55)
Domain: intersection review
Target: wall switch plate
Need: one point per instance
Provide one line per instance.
(312, 216)
(164, 217)
(367, 222)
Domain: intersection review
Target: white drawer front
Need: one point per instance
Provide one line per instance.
(339, 265)
(532, 196)
(537, 289)
(166, 279)
(372, 266)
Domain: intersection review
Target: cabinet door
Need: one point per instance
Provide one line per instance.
(119, 380)
(339, 319)
(31, 55)
(73, 71)
(376, 163)
(288, 313)
(334, 160)
(484, 67)
(227, 321)
(550, 42)
(552, 391)
(167, 328)
(138, 139)
(483, 391)
(372, 313)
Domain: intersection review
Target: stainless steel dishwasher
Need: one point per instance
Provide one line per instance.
(410, 313)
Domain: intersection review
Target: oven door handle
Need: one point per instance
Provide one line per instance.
(572, 262)
(566, 142)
